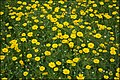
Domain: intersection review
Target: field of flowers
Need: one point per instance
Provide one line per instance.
(59, 39)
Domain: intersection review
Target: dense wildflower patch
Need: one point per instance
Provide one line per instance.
(59, 39)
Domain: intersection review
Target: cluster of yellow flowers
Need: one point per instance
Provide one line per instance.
(60, 39)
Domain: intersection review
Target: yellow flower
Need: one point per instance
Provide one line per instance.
(113, 49)
(73, 16)
(10, 27)
(65, 23)
(32, 0)
(69, 39)
(5, 50)
(94, 5)
(37, 58)
(58, 63)
(106, 0)
(114, 13)
(83, 45)
(73, 64)
(34, 6)
(91, 45)
(98, 35)
(4, 78)
(2, 57)
(48, 44)
(69, 77)
(101, 3)
(80, 77)
(1, 13)
(65, 41)
(99, 16)
(71, 44)
(112, 60)
(101, 27)
(80, 51)
(56, 9)
(73, 35)
(59, 25)
(45, 73)
(70, 26)
(66, 71)
(82, 12)
(37, 43)
(28, 8)
(118, 74)
(78, 47)
(81, 26)
(23, 39)
(65, 36)
(118, 69)
(36, 50)
(18, 19)
(106, 15)
(100, 50)
(76, 60)
(96, 61)
(54, 28)
(33, 17)
(91, 15)
(42, 27)
(14, 45)
(86, 50)
(62, 9)
(25, 73)
(36, 20)
(13, 42)
(102, 45)
(88, 67)
(47, 53)
(34, 27)
(41, 68)
(31, 79)
(54, 45)
(106, 76)
(24, 3)
(89, 28)
(14, 58)
(112, 52)
(110, 73)
(8, 35)
(59, 35)
(112, 38)
(34, 41)
(100, 69)
(56, 69)
(30, 34)
(69, 61)
(7, 24)
(29, 55)
(79, 34)
(52, 64)
(21, 62)
(116, 78)
(24, 24)
(61, 2)
(109, 28)
(54, 38)
(23, 34)
(42, 15)
(53, 19)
